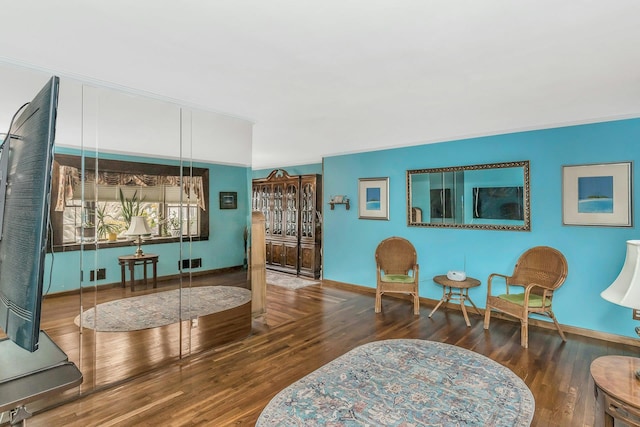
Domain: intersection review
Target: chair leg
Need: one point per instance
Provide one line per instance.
(524, 333)
(487, 316)
(416, 304)
(555, 321)
(378, 306)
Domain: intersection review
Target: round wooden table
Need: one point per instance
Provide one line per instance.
(457, 291)
(617, 390)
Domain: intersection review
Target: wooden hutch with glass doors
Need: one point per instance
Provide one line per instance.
(292, 208)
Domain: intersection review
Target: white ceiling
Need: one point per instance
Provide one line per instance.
(337, 76)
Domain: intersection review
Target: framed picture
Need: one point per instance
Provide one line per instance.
(228, 200)
(598, 194)
(373, 198)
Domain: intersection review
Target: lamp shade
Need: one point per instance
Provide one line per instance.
(138, 227)
(625, 290)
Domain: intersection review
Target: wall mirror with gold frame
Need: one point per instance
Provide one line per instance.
(492, 196)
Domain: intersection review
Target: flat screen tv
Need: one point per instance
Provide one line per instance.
(26, 159)
(498, 203)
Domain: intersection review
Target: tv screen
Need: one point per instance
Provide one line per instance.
(498, 203)
(25, 172)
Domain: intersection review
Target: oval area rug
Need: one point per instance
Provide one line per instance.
(162, 308)
(404, 382)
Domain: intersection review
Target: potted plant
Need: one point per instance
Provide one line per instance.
(130, 207)
(174, 224)
(106, 228)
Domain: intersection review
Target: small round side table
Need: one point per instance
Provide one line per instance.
(456, 290)
(617, 390)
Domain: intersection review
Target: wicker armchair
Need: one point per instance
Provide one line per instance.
(540, 271)
(396, 258)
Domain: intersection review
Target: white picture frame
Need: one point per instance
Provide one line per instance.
(597, 195)
(373, 198)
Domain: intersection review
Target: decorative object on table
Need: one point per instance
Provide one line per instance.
(288, 281)
(228, 200)
(456, 290)
(405, 382)
(597, 194)
(137, 229)
(456, 275)
(396, 258)
(625, 290)
(162, 308)
(339, 200)
(538, 272)
(373, 198)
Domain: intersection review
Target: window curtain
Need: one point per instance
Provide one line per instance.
(70, 178)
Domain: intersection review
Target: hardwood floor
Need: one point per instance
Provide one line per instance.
(305, 329)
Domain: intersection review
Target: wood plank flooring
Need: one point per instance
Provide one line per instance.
(307, 328)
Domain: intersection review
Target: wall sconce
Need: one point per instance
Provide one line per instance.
(339, 200)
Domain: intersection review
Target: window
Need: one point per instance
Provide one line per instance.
(174, 204)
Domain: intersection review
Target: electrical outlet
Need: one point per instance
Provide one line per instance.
(194, 322)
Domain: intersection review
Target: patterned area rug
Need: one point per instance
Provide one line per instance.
(404, 383)
(288, 281)
(162, 308)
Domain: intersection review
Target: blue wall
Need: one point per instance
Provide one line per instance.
(595, 254)
(314, 168)
(225, 247)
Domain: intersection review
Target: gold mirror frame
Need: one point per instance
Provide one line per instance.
(414, 215)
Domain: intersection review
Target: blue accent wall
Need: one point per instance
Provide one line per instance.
(314, 168)
(225, 247)
(595, 254)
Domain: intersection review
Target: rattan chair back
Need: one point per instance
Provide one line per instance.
(396, 255)
(542, 265)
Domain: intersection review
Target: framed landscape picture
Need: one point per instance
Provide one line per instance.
(373, 198)
(597, 194)
(228, 200)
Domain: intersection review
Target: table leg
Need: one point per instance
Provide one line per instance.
(155, 273)
(469, 299)
(132, 268)
(464, 311)
(123, 278)
(445, 298)
(144, 266)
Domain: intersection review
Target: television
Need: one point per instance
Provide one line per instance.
(498, 203)
(26, 161)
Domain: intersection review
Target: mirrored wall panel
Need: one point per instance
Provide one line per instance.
(491, 196)
(143, 267)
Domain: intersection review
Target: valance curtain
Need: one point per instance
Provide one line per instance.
(70, 179)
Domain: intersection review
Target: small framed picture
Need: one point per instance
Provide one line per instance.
(373, 198)
(597, 194)
(228, 200)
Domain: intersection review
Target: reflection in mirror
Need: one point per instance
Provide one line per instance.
(489, 196)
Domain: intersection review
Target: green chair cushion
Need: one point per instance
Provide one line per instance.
(534, 300)
(396, 278)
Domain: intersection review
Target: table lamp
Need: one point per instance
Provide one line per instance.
(625, 290)
(138, 228)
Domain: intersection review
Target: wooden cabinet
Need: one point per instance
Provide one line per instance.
(291, 205)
